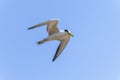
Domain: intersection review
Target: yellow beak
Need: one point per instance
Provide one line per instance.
(70, 34)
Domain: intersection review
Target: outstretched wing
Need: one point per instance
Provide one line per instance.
(60, 48)
(51, 26)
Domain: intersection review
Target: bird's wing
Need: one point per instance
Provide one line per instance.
(60, 48)
(38, 25)
(51, 26)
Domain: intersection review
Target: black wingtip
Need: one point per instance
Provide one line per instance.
(29, 28)
(53, 60)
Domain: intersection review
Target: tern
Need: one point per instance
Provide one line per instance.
(54, 33)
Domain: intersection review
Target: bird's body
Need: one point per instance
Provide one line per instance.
(55, 34)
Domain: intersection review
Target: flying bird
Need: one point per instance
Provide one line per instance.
(54, 33)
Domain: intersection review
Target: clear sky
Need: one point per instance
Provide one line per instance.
(92, 54)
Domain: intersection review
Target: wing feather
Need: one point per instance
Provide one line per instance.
(38, 25)
(60, 48)
(51, 26)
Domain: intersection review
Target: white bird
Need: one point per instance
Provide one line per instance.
(55, 34)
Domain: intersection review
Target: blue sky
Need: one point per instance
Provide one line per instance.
(92, 54)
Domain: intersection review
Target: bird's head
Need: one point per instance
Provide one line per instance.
(68, 32)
